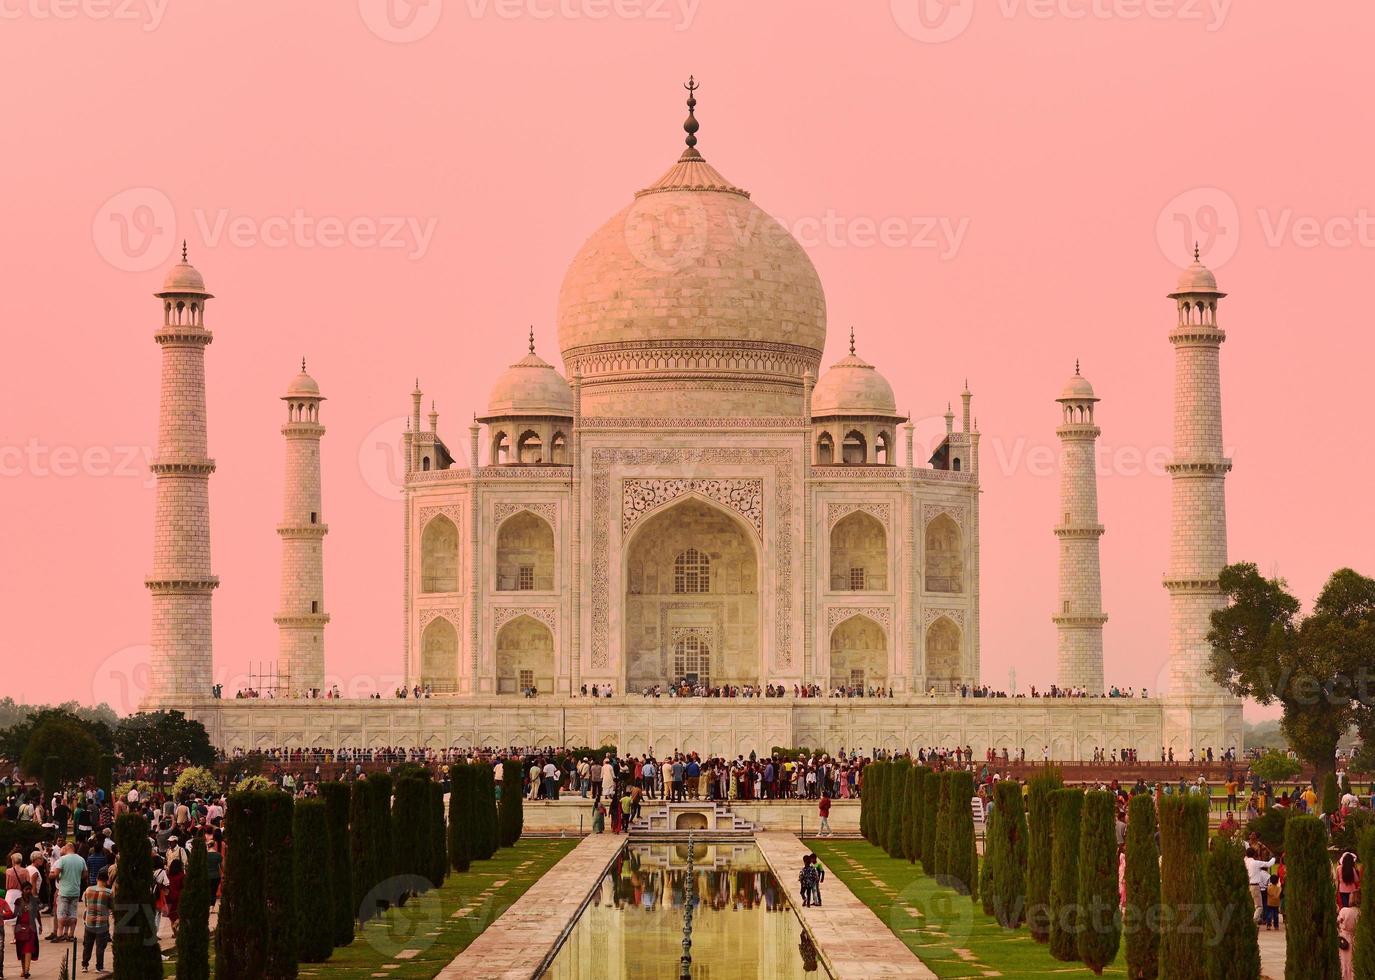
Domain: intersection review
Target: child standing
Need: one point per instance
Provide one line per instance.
(1271, 895)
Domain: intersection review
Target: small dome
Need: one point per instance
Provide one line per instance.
(303, 385)
(853, 387)
(182, 279)
(1077, 389)
(1197, 278)
(531, 386)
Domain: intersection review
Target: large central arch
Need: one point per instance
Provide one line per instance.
(691, 571)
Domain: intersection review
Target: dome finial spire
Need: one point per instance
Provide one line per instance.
(1196, 252)
(690, 125)
(532, 338)
(1076, 366)
(183, 249)
(852, 340)
(303, 365)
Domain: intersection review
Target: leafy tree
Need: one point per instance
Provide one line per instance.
(362, 853)
(163, 738)
(1039, 829)
(1100, 921)
(1139, 918)
(512, 802)
(278, 902)
(1007, 856)
(460, 817)
(313, 881)
(1183, 891)
(25, 721)
(962, 862)
(1316, 667)
(1233, 953)
(193, 931)
(439, 857)
(930, 804)
(1310, 903)
(1275, 766)
(1363, 954)
(895, 794)
(196, 781)
(136, 952)
(336, 797)
(61, 750)
(1066, 807)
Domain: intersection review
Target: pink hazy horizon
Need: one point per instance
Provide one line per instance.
(990, 207)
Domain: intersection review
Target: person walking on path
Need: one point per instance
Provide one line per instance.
(823, 810)
(96, 919)
(28, 926)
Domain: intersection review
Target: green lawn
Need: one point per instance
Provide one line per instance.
(421, 938)
(948, 932)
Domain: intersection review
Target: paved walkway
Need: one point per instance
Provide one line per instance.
(1272, 954)
(51, 955)
(514, 946)
(852, 941)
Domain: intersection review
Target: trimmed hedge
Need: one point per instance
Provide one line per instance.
(963, 860)
(1038, 852)
(1005, 853)
(1100, 919)
(439, 856)
(1233, 953)
(361, 853)
(336, 797)
(460, 817)
(241, 933)
(383, 841)
(277, 903)
(1364, 952)
(1140, 918)
(410, 822)
(512, 801)
(912, 815)
(1183, 893)
(1066, 806)
(943, 827)
(313, 881)
(193, 930)
(136, 951)
(930, 805)
(1310, 903)
(895, 794)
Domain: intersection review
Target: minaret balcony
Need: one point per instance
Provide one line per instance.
(1218, 466)
(198, 585)
(302, 530)
(1081, 620)
(1079, 530)
(301, 620)
(186, 466)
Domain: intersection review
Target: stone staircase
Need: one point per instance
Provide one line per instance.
(703, 817)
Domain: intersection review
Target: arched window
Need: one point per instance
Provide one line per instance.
(958, 464)
(944, 556)
(825, 450)
(425, 463)
(855, 451)
(439, 556)
(883, 450)
(558, 448)
(501, 449)
(525, 554)
(859, 554)
(692, 572)
(439, 656)
(692, 659)
(530, 450)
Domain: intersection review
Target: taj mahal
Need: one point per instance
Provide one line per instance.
(690, 497)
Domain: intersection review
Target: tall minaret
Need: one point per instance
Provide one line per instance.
(301, 617)
(1198, 471)
(181, 584)
(1079, 617)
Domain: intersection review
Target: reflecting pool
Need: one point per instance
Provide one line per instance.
(743, 926)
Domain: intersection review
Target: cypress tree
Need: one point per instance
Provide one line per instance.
(963, 859)
(993, 838)
(943, 828)
(241, 933)
(1183, 892)
(460, 818)
(913, 817)
(491, 830)
(136, 951)
(278, 901)
(52, 778)
(930, 804)
(361, 854)
(897, 793)
(313, 881)
(410, 805)
(104, 776)
(1330, 798)
(380, 786)
(1006, 857)
(193, 931)
(1066, 809)
(871, 793)
(1310, 903)
(864, 806)
(1364, 953)
(439, 857)
(1140, 922)
(512, 802)
(1038, 853)
(336, 797)
(1233, 953)
(1100, 920)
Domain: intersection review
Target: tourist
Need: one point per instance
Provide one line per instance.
(96, 921)
(807, 878)
(1271, 898)
(28, 926)
(214, 864)
(1348, 879)
(1347, 917)
(69, 875)
(823, 810)
(1258, 874)
(176, 881)
(626, 806)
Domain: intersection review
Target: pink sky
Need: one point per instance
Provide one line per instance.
(1069, 150)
